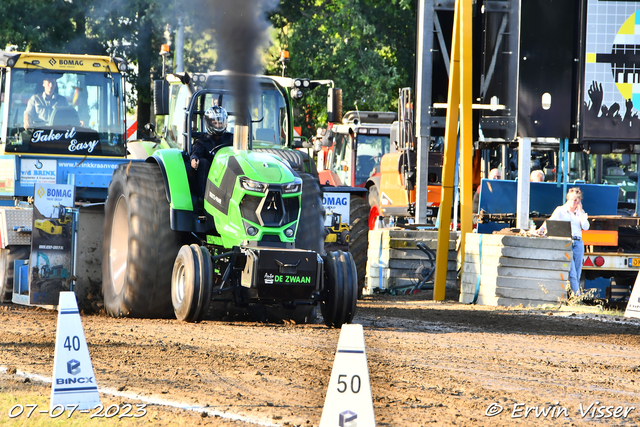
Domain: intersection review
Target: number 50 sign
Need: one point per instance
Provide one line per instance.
(349, 401)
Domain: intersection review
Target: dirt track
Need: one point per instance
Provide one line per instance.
(442, 363)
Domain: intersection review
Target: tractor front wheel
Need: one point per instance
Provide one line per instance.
(340, 291)
(139, 246)
(310, 234)
(191, 283)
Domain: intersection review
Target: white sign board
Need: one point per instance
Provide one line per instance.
(74, 382)
(37, 170)
(51, 242)
(633, 307)
(349, 402)
(336, 203)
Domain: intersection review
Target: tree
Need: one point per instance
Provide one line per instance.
(131, 29)
(365, 46)
(46, 26)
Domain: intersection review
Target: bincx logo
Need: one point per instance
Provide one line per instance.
(347, 419)
(73, 367)
(52, 62)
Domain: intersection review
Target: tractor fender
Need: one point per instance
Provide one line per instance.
(141, 149)
(373, 180)
(174, 173)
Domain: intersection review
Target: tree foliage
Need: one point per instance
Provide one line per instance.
(365, 46)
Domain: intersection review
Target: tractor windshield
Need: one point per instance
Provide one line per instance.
(370, 149)
(63, 112)
(268, 108)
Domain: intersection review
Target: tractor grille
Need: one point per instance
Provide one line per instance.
(291, 208)
(270, 211)
(249, 208)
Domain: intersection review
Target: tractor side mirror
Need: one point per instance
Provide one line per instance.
(327, 138)
(161, 97)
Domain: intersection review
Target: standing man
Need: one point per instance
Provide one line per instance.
(41, 105)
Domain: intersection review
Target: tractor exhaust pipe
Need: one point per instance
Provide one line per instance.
(240, 138)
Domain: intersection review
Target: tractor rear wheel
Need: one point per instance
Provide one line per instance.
(359, 237)
(7, 269)
(340, 292)
(139, 246)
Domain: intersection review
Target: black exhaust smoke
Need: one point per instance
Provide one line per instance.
(242, 29)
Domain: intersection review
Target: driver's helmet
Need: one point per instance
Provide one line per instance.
(215, 120)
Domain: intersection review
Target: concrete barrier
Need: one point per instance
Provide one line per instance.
(515, 270)
(393, 259)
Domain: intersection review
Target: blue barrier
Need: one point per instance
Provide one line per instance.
(500, 197)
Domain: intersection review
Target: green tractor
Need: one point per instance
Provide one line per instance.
(257, 242)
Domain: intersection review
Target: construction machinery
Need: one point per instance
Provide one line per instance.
(59, 224)
(337, 232)
(80, 141)
(392, 193)
(568, 89)
(256, 241)
(348, 167)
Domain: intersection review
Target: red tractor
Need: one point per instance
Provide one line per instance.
(349, 155)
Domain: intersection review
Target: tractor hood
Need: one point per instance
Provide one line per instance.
(252, 195)
(262, 167)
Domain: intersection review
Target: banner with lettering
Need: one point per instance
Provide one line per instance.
(68, 140)
(51, 244)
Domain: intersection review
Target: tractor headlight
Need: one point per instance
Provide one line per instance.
(251, 185)
(252, 231)
(288, 232)
(292, 187)
(296, 93)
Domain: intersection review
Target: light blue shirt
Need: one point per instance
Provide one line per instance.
(579, 219)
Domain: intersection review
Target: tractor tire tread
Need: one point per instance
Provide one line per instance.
(152, 244)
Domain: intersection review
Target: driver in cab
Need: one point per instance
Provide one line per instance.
(215, 121)
(41, 105)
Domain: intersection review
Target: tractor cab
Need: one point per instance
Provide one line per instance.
(194, 116)
(267, 108)
(82, 115)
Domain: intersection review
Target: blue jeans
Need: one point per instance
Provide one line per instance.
(576, 266)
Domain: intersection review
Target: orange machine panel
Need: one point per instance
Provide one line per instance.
(600, 237)
(433, 195)
(327, 177)
(392, 192)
